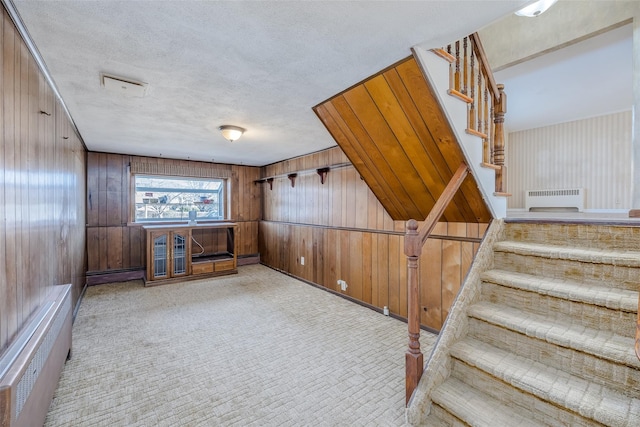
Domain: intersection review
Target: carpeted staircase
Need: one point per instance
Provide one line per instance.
(547, 336)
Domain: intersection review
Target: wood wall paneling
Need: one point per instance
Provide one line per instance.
(374, 266)
(430, 265)
(451, 261)
(356, 240)
(41, 185)
(115, 245)
(383, 270)
(8, 320)
(393, 130)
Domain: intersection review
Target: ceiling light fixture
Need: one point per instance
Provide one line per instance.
(536, 8)
(232, 133)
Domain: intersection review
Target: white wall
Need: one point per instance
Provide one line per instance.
(515, 39)
(594, 153)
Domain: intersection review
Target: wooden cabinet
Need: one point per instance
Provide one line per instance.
(168, 253)
(171, 257)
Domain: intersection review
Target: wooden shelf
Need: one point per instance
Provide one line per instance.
(322, 172)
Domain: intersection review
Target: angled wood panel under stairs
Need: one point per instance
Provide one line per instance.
(392, 128)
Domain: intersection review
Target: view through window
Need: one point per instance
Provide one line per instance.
(164, 198)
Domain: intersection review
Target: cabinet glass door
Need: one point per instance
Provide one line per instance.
(160, 256)
(179, 254)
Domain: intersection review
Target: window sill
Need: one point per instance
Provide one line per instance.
(185, 222)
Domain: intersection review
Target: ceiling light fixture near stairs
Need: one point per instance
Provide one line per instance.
(536, 8)
(232, 133)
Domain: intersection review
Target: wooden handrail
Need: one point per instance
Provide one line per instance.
(443, 201)
(473, 82)
(414, 240)
(483, 62)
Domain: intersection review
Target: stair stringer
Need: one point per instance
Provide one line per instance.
(436, 71)
(438, 366)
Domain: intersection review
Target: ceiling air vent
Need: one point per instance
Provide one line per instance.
(123, 86)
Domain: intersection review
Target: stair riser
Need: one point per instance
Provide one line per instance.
(474, 407)
(588, 315)
(444, 418)
(579, 235)
(600, 274)
(584, 365)
(527, 405)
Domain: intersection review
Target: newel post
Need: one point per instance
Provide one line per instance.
(500, 109)
(413, 357)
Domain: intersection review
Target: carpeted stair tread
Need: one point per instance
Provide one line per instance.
(592, 255)
(612, 298)
(555, 386)
(611, 374)
(474, 407)
(559, 331)
(620, 237)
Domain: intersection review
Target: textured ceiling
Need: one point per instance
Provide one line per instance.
(259, 65)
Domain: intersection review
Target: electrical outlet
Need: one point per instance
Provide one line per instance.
(301, 260)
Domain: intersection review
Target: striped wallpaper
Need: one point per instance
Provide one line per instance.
(593, 153)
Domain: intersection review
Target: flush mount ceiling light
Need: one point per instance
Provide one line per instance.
(536, 8)
(232, 133)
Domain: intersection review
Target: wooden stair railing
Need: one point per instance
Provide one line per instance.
(414, 240)
(471, 80)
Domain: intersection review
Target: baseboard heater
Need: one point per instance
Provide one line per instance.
(566, 198)
(30, 368)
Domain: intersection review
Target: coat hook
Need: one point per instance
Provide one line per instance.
(45, 113)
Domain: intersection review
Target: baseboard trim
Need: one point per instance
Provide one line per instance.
(607, 211)
(80, 298)
(114, 276)
(599, 211)
(248, 259)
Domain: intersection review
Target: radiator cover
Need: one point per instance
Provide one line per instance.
(31, 366)
(556, 198)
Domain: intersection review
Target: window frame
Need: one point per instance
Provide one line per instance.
(223, 200)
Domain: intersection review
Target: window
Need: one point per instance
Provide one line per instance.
(167, 198)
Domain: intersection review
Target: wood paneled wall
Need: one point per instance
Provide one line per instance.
(393, 129)
(42, 186)
(114, 244)
(343, 232)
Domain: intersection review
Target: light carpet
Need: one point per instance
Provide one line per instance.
(257, 348)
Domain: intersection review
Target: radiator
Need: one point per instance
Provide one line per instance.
(30, 368)
(559, 198)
